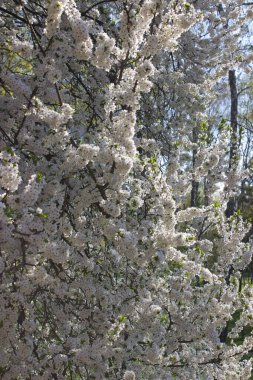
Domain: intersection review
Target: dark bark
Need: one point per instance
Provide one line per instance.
(195, 184)
(233, 118)
(231, 206)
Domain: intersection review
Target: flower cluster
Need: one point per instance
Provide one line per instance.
(109, 266)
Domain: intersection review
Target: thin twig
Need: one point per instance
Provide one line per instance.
(24, 118)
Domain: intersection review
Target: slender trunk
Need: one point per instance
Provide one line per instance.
(195, 184)
(206, 197)
(233, 118)
(231, 206)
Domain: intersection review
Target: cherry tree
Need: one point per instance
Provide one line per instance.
(104, 270)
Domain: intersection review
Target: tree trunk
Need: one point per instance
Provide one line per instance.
(231, 206)
(195, 184)
(233, 118)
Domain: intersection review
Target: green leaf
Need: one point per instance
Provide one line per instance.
(200, 251)
(9, 212)
(9, 150)
(122, 318)
(223, 124)
(39, 177)
(43, 215)
(33, 157)
(187, 7)
(164, 319)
